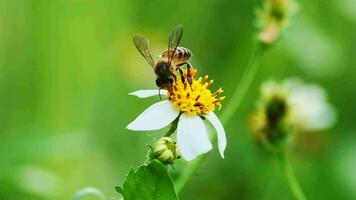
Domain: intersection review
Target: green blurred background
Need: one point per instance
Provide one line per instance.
(66, 67)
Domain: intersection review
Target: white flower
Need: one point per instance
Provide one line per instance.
(308, 108)
(190, 104)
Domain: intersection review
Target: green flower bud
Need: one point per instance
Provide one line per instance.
(165, 150)
(276, 109)
(270, 122)
(274, 18)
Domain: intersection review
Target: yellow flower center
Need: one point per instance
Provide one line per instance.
(194, 98)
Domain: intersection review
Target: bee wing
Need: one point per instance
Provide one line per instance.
(173, 41)
(143, 46)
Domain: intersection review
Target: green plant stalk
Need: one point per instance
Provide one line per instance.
(233, 104)
(292, 180)
(172, 128)
(244, 84)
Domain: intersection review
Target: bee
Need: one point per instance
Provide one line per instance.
(169, 61)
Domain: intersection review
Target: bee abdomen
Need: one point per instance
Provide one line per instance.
(181, 54)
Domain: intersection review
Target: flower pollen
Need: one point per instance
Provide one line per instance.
(195, 98)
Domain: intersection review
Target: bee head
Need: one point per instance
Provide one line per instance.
(164, 82)
(162, 68)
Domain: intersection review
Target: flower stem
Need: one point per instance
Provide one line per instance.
(292, 180)
(173, 127)
(245, 82)
(233, 104)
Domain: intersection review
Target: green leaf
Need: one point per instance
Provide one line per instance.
(150, 182)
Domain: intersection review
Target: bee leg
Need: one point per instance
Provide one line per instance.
(180, 70)
(174, 77)
(189, 68)
(181, 74)
(181, 64)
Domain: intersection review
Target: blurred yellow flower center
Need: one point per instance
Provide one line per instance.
(194, 99)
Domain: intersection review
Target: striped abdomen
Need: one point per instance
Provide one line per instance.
(181, 55)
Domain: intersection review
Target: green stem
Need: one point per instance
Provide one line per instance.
(233, 104)
(173, 127)
(244, 84)
(188, 172)
(292, 180)
(170, 131)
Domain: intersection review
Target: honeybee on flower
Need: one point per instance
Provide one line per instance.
(289, 107)
(192, 104)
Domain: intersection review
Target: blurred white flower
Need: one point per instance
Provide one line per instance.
(307, 105)
(191, 104)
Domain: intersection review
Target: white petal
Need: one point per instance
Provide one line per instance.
(192, 137)
(311, 111)
(148, 93)
(214, 120)
(157, 116)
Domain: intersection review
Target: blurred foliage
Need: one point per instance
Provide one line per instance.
(66, 67)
